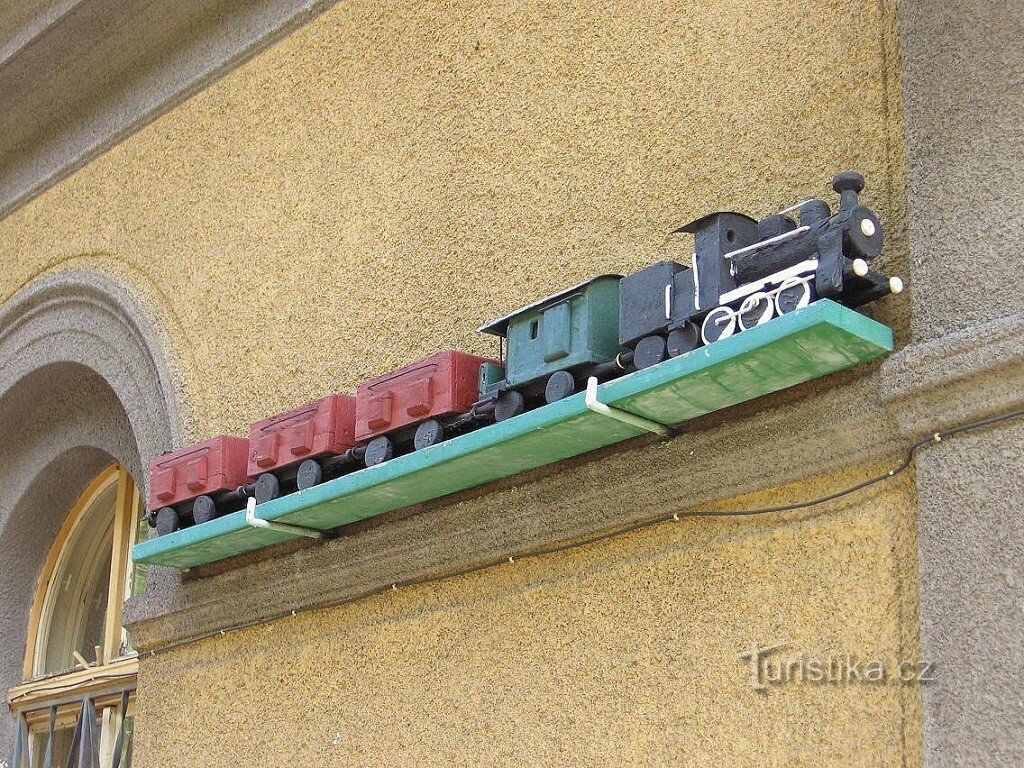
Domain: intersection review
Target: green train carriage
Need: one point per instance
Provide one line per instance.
(552, 345)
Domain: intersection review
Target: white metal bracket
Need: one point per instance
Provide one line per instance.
(258, 522)
(626, 417)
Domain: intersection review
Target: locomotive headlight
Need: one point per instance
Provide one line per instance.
(864, 233)
(860, 267)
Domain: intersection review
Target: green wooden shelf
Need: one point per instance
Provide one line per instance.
(819, 339)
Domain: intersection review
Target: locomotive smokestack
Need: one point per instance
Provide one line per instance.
(848, 185)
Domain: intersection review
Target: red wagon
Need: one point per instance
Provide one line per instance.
(195, 481)
(297, 446)
(417, 403)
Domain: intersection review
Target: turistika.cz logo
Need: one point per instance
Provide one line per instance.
(769, 667)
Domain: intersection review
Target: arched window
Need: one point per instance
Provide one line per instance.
(77, 650)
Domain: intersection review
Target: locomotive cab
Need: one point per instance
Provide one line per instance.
(714, 236)
(658, 305)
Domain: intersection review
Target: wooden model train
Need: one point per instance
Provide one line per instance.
(742, 273)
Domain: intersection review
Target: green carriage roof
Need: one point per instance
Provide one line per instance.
(499, 326)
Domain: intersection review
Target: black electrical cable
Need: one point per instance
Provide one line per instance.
(908, 459)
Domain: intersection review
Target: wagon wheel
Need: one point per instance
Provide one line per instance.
(560, 385)
(510, 403)
(310, 473)
(203, 509)
(167, 521)
(650, 350)
(684, 339)
(267, 487)
(379, 450)
(429, 433)
(794, 293)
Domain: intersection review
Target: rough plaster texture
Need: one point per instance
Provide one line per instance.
(456, 160)
(972, 584)
(970, 537)
(964, 98)
(76, 76)
(624, 653)
(391, 175)
(82, 383)
(958, 378)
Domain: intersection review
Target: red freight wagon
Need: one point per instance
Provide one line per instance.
(301, 436)
(417, 402)
(189, 482)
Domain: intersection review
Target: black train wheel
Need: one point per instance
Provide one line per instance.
(310, 473)
(684, 339)
(757, 309)
(720, 323)
(429, 433)
(267, 487)
(203, 509)
(794, 293)
(560, 385)
(378, 450)
(650, 350)
(510, 403)
(167, 521)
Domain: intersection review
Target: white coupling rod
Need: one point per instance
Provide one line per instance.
(258, 522)
(626, 417)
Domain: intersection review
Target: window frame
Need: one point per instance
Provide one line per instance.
(102, 680)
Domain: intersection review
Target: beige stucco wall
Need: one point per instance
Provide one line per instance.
(454, 160)
(370, 190)
(624, 653)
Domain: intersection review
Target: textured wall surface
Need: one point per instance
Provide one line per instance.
(964, 96)
(972, 545)
(964, 99)
(456, 160)
(385, 179)
(624, 653)
(77, 76)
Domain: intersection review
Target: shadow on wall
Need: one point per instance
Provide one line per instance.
(82, 384)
